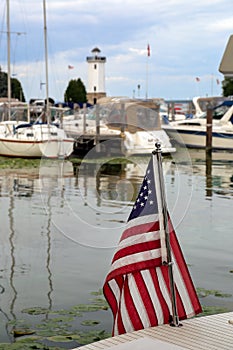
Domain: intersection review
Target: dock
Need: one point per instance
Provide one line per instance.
(102, 143)
(213, 332)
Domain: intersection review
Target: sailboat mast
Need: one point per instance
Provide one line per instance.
(46, 61)
(8, 59)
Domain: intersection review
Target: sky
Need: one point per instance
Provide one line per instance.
(187, 40)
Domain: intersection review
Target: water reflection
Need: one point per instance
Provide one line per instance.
(19, 193)
(217, 169)
(208, 174)
(61, 221)
(48, 260)
(98, 197)
(12, 256)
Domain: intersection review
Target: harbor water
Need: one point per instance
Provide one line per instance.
(61, 222)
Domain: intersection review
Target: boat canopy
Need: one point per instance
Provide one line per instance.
(227, 103)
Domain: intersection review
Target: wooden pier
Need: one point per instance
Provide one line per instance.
(213, 332)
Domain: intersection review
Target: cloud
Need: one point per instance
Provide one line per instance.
(186, 39)
(140, 52)
(222, 25)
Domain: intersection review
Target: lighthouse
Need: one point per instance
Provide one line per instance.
(96, 76)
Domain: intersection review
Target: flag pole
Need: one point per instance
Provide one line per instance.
(175, 318)
(147, 79)
(147, 64)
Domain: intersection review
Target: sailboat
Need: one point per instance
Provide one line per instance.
(19, 137)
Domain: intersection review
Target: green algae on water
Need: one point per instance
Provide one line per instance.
(202, 293)
(58, 327)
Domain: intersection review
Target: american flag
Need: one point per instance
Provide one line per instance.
(137, 287)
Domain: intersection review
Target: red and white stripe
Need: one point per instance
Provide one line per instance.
(142, 299)
(137, 287)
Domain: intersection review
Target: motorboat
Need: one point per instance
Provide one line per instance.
(201, 104)
(192, 132)
(136, 123)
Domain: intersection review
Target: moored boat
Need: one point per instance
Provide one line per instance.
(136, 124)
(192, 132)
(34, 140)
(19, 136)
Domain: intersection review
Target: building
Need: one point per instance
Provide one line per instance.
(226, 65)
(96, 76)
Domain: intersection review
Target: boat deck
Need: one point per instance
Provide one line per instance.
(213, 332)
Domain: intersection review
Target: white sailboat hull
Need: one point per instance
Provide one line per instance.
(35, 141)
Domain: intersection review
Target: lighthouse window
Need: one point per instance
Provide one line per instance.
(95, 66)
(94, 88)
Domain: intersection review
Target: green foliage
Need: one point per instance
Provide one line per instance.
(227, 87)
(76, 91)
(16, 88)
(3, 84)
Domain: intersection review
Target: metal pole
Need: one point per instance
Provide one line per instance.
(147, 64)
(46, 63)
(169, 263)
(8, 60)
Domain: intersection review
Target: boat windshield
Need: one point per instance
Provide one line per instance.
(219, 111)
(146, 119)
(18, 112)
(134, 118)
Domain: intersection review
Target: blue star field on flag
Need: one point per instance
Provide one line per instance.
(146, 202)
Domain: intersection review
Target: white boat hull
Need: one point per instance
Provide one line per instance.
(34, 141)
(133, 126)
(194, 138)
(139, 142)
(143, 142)
(192, 132)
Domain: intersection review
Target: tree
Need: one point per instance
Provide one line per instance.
(17, 91)
(3, 84)
(16, 88)
(227, 87)
(76, 91)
